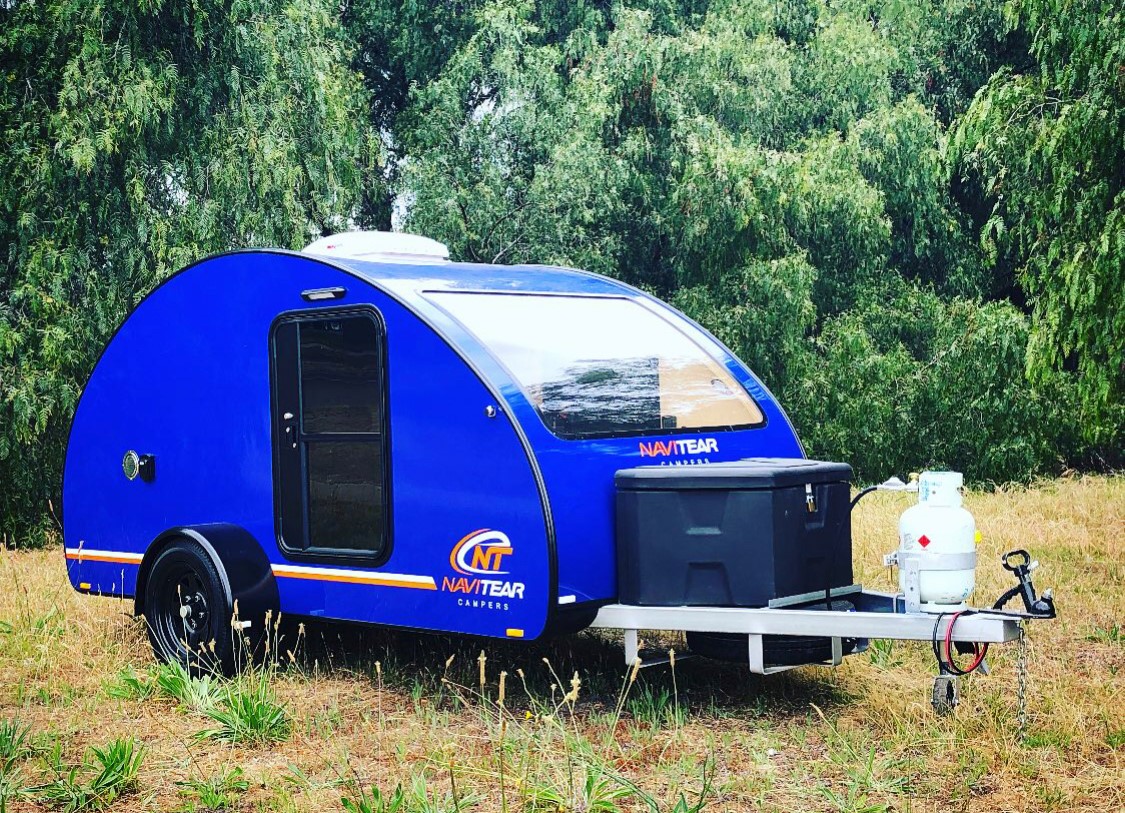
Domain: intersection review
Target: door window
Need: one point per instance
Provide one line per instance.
(329, 417)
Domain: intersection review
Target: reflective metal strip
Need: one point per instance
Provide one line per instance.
(333, 574)
(939, 561)
(117, 556)
(981, 627)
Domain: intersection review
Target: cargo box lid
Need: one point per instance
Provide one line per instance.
(749, 474)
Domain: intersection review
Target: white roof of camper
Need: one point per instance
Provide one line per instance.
(379, 246)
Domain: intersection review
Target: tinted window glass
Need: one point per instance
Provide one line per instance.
(345, 495)
(603, 366)
(340, 375)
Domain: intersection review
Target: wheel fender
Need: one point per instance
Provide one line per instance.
(243, 567)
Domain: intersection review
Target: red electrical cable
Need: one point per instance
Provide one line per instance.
(979, 651)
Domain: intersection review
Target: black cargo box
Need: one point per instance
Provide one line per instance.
(734, 534)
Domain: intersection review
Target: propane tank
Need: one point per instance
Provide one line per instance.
(940, 536)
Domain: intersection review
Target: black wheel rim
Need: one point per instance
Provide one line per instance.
(181, 615)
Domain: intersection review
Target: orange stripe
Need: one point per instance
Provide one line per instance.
(87, 557)
(376, 580)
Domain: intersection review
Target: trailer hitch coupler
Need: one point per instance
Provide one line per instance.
(1020, 563)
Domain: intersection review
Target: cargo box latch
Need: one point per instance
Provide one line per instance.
(810, 499)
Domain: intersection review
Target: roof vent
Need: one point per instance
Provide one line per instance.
(384, 246)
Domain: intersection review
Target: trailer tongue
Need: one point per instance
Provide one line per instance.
(712, 551)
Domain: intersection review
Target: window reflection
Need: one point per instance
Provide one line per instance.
(340, 375)
(603, 366)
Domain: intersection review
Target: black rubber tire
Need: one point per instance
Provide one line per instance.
(200, 638)
(777, 650)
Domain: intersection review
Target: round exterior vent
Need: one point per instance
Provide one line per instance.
(384, 246)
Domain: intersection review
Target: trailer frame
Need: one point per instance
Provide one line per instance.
(877, 615)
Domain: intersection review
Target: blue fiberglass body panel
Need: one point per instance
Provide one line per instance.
(579, 473)
(187, 380)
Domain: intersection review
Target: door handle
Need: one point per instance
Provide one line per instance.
(290, 423)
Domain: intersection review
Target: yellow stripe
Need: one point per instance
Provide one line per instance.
(514, 633)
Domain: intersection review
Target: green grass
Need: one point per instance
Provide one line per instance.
(193, 693)
(372, 800)
(13, 743)
(574, 730)
(220, 791)
(128, 684)
(1046, 738)
(657, 707)
(104, 776)
(247, 711)
(1112, 633)
(881, 652)
(14, 747)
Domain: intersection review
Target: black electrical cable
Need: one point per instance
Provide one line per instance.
(934, 639)
(945, 660)
(835, 537)
(860, 496)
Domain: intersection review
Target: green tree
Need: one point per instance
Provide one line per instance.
(908, 380)
(137, 139)
(1045, 148)
(806, 179)
(900, 151)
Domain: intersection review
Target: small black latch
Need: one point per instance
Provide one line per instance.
(146, 467)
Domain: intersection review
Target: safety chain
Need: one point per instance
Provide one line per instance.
(1021, 681)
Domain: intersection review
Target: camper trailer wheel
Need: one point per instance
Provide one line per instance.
(187, 611)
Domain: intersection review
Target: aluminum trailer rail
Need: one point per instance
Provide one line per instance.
(877, 615)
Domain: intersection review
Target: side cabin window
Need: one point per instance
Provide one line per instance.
(329, 416)
(604, 366)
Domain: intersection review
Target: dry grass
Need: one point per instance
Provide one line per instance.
(383, 710)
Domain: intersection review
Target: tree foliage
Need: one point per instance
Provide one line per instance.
(139, 138)
(1046, 149)
(907, 216)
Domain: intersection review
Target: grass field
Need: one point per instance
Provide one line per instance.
(87, 721)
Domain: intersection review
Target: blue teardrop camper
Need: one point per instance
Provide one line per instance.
(373, 433)
(365, 431)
